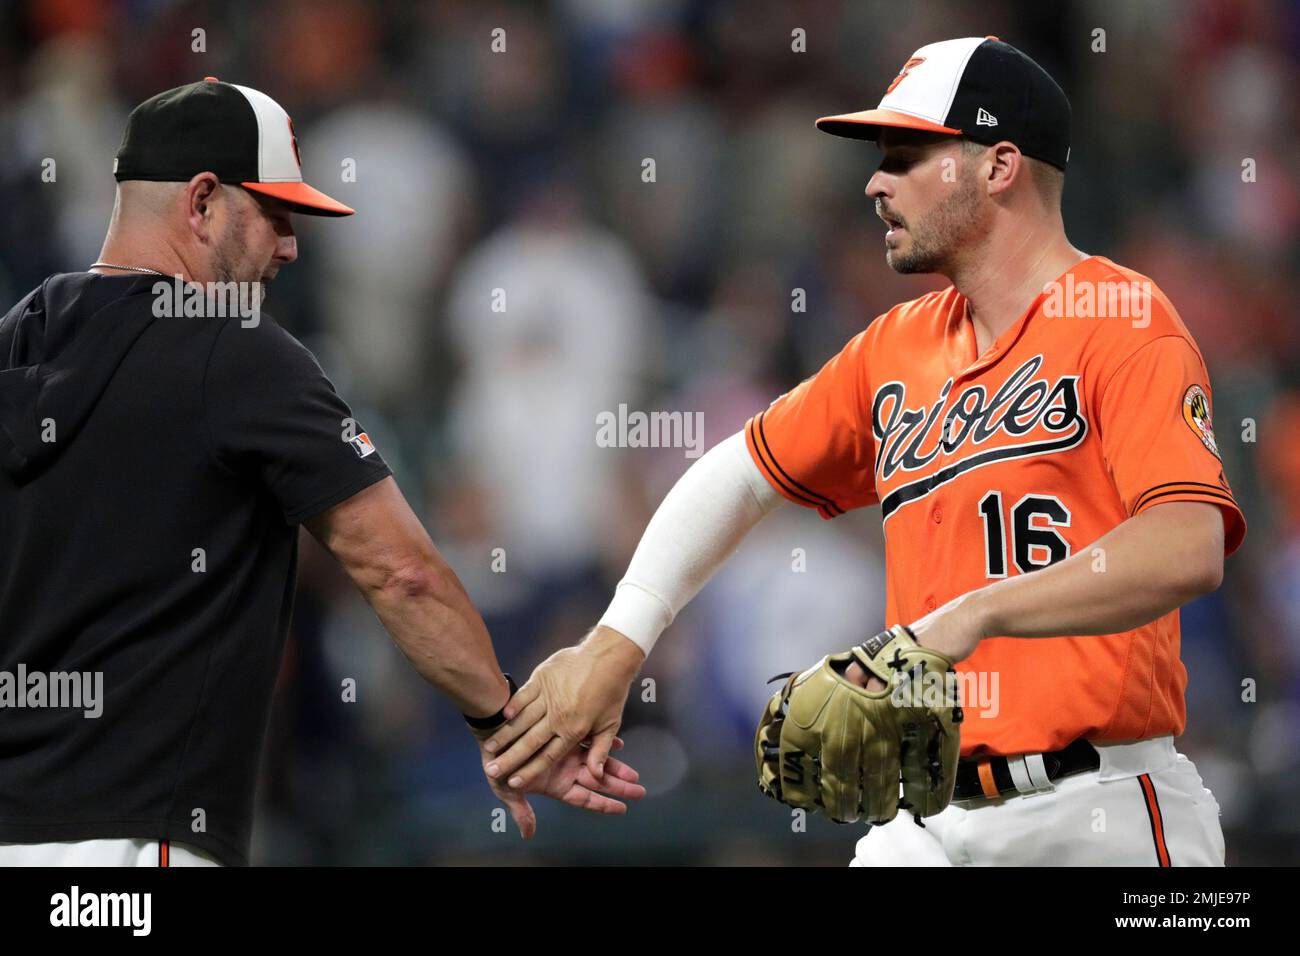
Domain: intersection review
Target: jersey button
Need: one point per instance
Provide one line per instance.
(929, 604)
(938, 515)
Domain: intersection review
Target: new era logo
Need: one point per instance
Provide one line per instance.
(985, 118)
(362, 445)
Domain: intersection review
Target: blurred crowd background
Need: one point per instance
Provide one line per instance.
(522, 170)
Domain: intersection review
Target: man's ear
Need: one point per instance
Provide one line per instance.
(1007, 166)
(202, 193)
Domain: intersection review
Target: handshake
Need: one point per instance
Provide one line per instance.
(835, 738)
(560, 729)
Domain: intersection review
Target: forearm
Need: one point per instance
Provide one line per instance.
(579, 692)
(386, 551)
(432, 621)
(699, 524)
(1146, 567)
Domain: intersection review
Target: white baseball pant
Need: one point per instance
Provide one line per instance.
(1145, 806)
(104, 853)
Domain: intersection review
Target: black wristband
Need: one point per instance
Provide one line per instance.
(493, 721)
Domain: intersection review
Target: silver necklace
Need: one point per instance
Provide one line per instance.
(109, 265)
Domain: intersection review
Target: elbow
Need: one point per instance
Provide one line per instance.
(408, 581)
(1195, 550)
(1213, 576)
(1204, 576)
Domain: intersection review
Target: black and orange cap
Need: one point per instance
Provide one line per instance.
(977, 87)
(238, 133)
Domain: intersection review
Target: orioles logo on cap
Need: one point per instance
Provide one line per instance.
(293, 138)
(1196, 412)
(910, 65)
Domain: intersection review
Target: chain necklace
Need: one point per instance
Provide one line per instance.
(109, 265)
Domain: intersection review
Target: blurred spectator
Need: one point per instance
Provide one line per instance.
(376, 280)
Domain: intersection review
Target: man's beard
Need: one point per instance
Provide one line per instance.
(935, 238)
(226, 266)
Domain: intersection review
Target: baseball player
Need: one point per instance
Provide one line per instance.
(1038, 438)
(155, 466)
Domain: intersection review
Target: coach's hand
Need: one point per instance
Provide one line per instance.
(576, 694)
(569, 781)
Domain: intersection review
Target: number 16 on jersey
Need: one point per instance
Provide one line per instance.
(1035, 540)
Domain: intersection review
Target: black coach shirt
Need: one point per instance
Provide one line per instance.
(152, 474)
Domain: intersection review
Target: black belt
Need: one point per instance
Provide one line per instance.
(998, 779)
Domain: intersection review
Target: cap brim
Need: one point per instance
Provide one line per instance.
(867, 124)
(303, 198)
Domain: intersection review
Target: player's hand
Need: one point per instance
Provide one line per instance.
(569, 781)
(576, 694)
(954, 630)
(858, 675)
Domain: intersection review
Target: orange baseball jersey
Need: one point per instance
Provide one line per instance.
(1092, 407)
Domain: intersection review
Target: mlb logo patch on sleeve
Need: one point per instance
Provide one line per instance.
(362, 444)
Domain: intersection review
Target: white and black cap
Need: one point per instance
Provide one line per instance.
(976, 87)
(239, 134)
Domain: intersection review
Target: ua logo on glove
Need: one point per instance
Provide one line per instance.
(793, 767)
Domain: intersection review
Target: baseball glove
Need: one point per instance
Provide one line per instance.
(824, 743)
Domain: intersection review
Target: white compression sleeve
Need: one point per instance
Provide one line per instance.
(700, 523)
